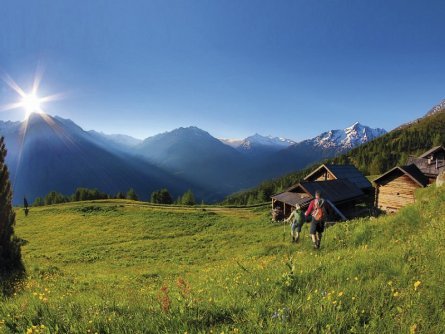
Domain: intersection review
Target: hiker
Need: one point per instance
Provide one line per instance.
(297, 218)
(25, 205)
(318, 211)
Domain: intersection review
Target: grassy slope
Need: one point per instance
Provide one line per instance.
(114, 267)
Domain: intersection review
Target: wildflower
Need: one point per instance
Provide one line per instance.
(416, 285)
(413, 329)
(396, 294)
(164, 298)
(340, 293)
(183, 286)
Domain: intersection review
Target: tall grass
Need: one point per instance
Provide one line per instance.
(119, 267)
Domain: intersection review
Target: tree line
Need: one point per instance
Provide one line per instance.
(161, 196)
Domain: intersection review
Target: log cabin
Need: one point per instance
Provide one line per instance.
(395, 189)
(430, 163)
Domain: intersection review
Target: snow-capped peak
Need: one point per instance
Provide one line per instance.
(353, 136)
(258, 140)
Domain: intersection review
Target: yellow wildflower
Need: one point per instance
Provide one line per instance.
(417, 284)
(340, 293)
(396, 294)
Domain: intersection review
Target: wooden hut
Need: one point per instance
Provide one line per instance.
(431, 163)
(395, 189)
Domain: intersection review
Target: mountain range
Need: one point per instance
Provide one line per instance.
(47, 153)
(372, 157)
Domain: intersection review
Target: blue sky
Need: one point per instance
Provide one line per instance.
(286, 68)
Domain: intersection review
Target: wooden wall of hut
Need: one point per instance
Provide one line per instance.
(324, 177)
(396, 193)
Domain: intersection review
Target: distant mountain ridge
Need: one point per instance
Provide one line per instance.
(119, 139)
(337, 140)
(56, 154)
(269, 141)
(436, 109)
(59, 155)
(341, 140)
(197, 156)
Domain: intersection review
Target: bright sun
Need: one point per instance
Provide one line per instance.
(31, 103)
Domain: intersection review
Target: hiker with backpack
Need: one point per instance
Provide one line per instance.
(25, 205)
(297, 218)
(318, 211)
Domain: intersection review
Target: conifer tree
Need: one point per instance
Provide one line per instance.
(188, 198)
(131, 194)
(10, 255)
(38, 202)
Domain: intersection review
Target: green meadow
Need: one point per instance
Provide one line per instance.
(130, 267)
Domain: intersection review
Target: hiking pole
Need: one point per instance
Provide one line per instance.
(284, 230)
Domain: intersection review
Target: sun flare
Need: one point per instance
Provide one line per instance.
(31, 103)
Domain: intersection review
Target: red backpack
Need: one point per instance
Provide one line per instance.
(318, 213)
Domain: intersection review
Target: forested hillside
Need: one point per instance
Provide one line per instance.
(371, 158)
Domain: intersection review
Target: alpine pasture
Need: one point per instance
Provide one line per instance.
(129, 267)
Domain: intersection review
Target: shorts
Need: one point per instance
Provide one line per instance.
(297, 226)
(317, 226)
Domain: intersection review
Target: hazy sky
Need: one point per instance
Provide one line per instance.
(231, 67)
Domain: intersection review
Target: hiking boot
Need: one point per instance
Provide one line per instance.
(315, 245)
(297, 239)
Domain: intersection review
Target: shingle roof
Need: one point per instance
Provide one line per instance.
(411, 171)
(433, 150)
(344, 172)
(334, 190)
(293, 199)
